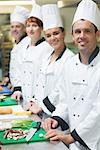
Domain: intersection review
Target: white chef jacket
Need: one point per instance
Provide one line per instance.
(15, 61)
(24, 65)
(49, 75)
(79, 103)
(32, 58)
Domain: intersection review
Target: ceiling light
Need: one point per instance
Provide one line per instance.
(21, 2)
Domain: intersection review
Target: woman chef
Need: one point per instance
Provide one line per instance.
(79, 89)
(53, 63)
(32, 55)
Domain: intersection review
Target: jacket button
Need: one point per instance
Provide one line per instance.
(92, 65)
(83, 80)
(78, 115)
(82, 99)
(74, 98)
(43, 86)
(74, 115)
(36, 84)
(76, 64)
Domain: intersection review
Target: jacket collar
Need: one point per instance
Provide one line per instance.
(92, 56)
(40, 41)
(21, 38)
(61, 54)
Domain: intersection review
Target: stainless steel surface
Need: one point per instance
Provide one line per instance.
(36, 146)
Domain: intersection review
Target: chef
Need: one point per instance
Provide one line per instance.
(79, 88)
(18, 32)
(52, 65)
(31, 55)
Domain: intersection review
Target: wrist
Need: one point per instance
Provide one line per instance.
(68, 139)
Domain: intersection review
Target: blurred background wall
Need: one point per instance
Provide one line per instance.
(67, 9)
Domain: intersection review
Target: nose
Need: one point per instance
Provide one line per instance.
(52, 37)
(82, 34)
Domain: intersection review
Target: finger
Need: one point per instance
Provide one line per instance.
(54, 124)
(55, 138)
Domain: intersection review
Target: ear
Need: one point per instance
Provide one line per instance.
(98, 35)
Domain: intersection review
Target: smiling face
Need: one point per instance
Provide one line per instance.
(17, 30)
(84, 35)
(55, 37)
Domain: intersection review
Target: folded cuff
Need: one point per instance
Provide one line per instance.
(64, 125)
(76, 137)
(17, 88)
(49, 105)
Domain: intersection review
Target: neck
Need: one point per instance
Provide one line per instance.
(85, 55)
(56, 53)
(35, 40)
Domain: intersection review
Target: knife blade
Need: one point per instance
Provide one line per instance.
(32, 131)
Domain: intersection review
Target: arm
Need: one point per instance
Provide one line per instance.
(89, 129)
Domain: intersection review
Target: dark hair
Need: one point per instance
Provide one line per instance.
(36, 20)
(96, 29)
(62, 29)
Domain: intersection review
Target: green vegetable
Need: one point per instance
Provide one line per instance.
(21, 123)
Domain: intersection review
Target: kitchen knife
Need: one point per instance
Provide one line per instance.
(32, 131)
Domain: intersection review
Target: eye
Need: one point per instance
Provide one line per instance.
(88, 31)
(35, 25)
(56, 33)
(77, 31)
(48, 35)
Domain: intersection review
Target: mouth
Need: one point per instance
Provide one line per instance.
(31, 33)
(82, 43)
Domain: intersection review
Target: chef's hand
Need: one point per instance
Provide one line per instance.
(56, 135)
(35, 108)
(5, 81)
(17, 95)
(49, 123)
(28, 105)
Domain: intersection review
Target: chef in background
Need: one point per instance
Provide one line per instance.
(32, 55)
(18, 32)
(52, 65)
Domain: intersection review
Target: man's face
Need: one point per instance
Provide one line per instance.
(17, 30)
(55, 37)
(84, 35)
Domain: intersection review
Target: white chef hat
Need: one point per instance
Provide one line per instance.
(88, 10)
(20, 14)
(36, 12)
(51, 16)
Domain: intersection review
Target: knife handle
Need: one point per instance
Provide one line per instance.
(38, 125)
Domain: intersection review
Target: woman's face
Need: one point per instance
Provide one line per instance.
(55, 37)
(33, 30)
